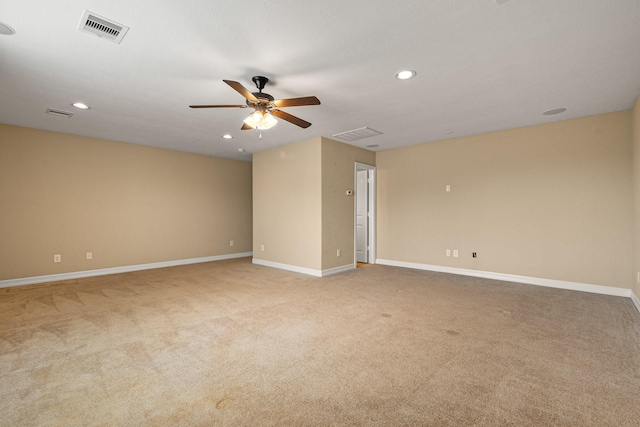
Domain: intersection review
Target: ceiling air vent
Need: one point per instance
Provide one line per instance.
(102, 27)
(59, 113)
(356, 134)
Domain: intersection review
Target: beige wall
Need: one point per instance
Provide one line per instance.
(552, 201)
(636, 191)
(338, 175)
(301, 213)
(287, 204)
(127, 204)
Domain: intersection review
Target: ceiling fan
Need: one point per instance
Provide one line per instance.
(265, 106)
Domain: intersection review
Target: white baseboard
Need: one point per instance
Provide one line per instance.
(304, 270)
(560, 284)
(337, 270)
(636, 301)
(116, 270)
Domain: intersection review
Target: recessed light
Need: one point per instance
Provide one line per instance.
(227, 136)
(373, 145)
(406, 75)
(449, 132)
(554, 111)
(81, 105)
(241, 150)
(6, 30)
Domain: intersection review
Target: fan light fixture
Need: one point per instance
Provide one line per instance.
(260, 120)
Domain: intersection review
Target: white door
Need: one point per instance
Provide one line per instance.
(362, 220)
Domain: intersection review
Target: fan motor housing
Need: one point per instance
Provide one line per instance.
(262, 95)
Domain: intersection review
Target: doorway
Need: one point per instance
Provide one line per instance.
(365, 203)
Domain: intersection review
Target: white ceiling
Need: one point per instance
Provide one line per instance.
(481, 66)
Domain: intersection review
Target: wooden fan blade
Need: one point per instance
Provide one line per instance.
(217, 106)
(241, 90)
(291, 119)
(245, 127)
(297, 102)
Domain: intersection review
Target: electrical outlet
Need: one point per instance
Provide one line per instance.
(57, 258)
(475, 255)
(262, 248)
(89, 255)
(230, 242)
(455, 253)
(638, 278)
(448, 188)
(448, 252)
(338, 252)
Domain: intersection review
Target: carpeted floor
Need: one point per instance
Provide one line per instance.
(234, 344)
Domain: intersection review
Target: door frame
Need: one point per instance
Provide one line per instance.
(371, 208)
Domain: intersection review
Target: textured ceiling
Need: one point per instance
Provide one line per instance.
(481, 66)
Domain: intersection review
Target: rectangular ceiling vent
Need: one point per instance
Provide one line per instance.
(102, 27)
(59, 113)
(356, 134)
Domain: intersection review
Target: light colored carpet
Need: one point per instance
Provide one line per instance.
(234, 344)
